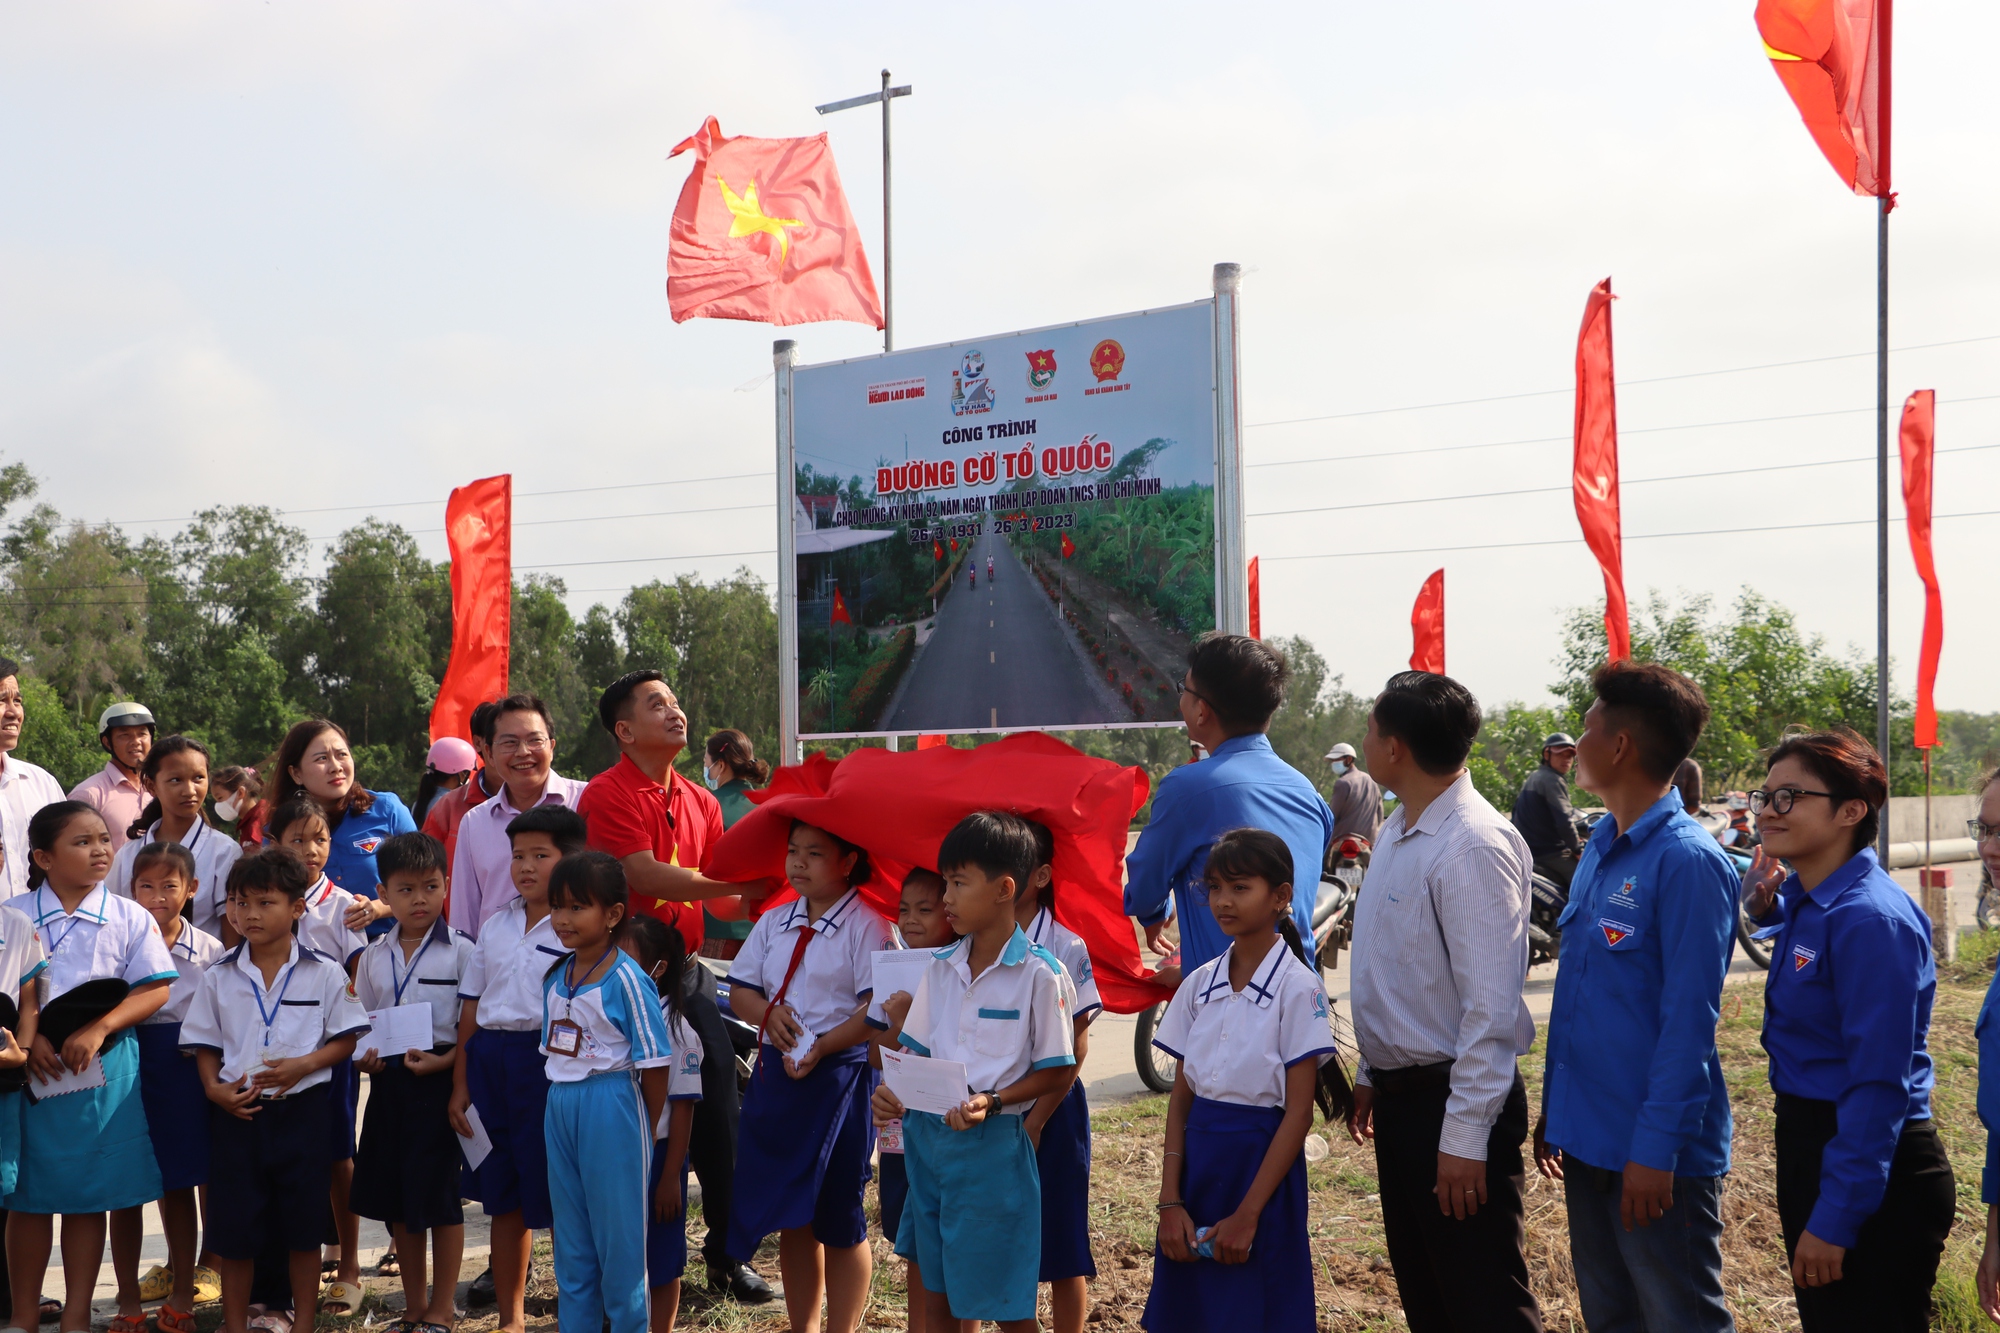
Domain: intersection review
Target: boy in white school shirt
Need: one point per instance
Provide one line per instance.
(1001, 1006)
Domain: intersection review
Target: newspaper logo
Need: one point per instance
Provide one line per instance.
(895, 391)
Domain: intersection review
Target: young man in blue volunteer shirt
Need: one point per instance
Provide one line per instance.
(1635, 1116)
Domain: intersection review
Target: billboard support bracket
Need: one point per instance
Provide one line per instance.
(1232, 600)
(784, 355)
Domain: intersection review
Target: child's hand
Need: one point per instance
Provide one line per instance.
(667, 1198)
(368, 1062)
(12, 1054)
(802, 1065)
(897, 1008)
(1034, 1128)
(82, 1045)
(1232, 1237)
(454, 1111)
(782, 1026)
(1176, 1235)
(424, 1062)
(972, 1111)
(279, 1075)
(886, 1105)
(43, 1062)
(235, 1098)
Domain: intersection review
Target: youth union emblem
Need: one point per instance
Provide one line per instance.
(971, 388)
(1041, 369)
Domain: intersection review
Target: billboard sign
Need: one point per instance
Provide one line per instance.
(1006, 533)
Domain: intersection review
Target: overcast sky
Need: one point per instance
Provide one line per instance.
(352, 255)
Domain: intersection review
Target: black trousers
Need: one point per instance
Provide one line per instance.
(712, 1140)
(1888, 1273)
(1453, 1276)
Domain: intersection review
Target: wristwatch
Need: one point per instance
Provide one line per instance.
(997, 1103)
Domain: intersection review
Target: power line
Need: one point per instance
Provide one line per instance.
(587, 518)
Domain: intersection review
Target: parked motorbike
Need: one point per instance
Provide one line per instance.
(1156, 1068)
(1339, 891)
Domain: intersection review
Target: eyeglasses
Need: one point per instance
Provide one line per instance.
(506, 745)
(1979, 832)
(1780, 801)
(1183, 687)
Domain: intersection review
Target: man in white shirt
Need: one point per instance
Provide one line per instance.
(24, 787)
(521, 753)
(1440, 954)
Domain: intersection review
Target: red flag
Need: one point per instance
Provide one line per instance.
(1256, 606)
(762, 232)
(1068, 546)
(937, 551)
(1833, 58)
(954, 543)
(1594, 478)
(899, 805)
(1919, 429)
(840, 616)
(479, 525)
(1427, 626)
(932, 740)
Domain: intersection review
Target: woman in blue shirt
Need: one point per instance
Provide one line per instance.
(1865, 1192)
(1986, 828)
(314, 762)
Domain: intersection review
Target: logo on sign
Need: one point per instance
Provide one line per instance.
(1615, 932)
(895, 391)
(971, 388)
(1801, 956)
(1107, 359)
(1041, 369)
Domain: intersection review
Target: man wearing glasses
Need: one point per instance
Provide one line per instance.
(522, 755)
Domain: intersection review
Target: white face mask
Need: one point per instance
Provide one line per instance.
(227, 809)
(1340, 767)
(708, 776)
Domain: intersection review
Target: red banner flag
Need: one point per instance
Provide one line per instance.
(1919, 430)
(479, 525)
(1256, 603)
(1427, 626)
(931, 740)
(937, 550)
(763, 232)
(1068, 546)
(1833, 58)
(1594, 475)
(840, 616)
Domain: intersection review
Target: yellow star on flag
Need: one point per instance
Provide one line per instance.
(750, 217)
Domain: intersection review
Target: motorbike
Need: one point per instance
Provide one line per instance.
(1156, 1068)
(1339, 891)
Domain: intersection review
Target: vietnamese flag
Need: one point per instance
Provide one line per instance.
(1833, 58)
(763, 232)
(840, 616)
(1594, 472)
(1918, 437)
(937, 551)
(479, 527)
(1068, 546)
(1427, 626)
(1256, 602)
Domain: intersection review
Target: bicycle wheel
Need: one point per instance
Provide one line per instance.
(1156, 1067)
(1756, 950)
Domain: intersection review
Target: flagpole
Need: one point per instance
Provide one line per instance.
(888, 279)
(1882, 205)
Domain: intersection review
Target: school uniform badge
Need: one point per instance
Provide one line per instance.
(1801, 956)
(367, 846)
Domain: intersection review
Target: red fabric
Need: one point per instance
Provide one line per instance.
(900, 804)
(762, 232)
(1918, 437)
(937, 551)
(1833, 58)
(1594, 478)
(840, 616)
(791, 970)
(1256, 602)
(933, 740)
(479, 524)
(628, 812)
(1427, 626)
(1068, 546)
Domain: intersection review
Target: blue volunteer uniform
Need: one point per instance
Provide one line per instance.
(1988, 1033)
(1242, 784)
(350, 863)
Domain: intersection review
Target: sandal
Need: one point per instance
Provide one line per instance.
(207, 1285)
(156, 1284)
(390, 1266)
(272, 1321)
(49, 1309)
(329, 1269)
(169, 1320)
(127, 1323)
(344, 1295)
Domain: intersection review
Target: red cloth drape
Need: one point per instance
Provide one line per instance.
(1256, 603)
(900, 804)
(479, 525)
(1833, 58)
(1918, 437)
(1594, 475)
(1427, 626)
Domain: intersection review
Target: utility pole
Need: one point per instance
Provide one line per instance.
(888, 269)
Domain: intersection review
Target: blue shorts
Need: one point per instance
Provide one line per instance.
(507, 1076)
(892, 1187)
(176, 1106)
(346, 1103)
(1063, 1163)
(973, 1220)
(666, 1242)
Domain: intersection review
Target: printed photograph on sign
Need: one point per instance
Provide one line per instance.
(1007, 532)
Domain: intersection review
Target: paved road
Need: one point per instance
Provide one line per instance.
(997, 658)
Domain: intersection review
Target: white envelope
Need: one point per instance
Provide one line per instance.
(476, 1147)
(898, 970)
(924, 1084)
(405, 1027)
(67, 1082)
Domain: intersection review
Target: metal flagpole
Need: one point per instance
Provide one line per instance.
(1882, 499)
(784, 355)
(888, 278)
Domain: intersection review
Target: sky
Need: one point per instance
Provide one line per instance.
(340, 258)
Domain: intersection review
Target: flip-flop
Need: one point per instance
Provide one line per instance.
(50, 1308)
(207, 1285)
(272, 1321)
(389, 1266)
(346, 1295)
(127, 1323)
(169, 1320)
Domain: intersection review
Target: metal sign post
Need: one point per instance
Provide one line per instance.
(784, 354)
(1232, 585)
(888, 279)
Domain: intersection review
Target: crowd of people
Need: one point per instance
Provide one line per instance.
(533, 941)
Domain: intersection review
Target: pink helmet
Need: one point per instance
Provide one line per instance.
(449, 754)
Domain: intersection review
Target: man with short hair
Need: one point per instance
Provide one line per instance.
(125, 731)
(24, 787)
(1543, 814)
(1357, 799)
(448, 811)
(521, 752)
(1635, 1118)
(1440, 954)
(1233, 685)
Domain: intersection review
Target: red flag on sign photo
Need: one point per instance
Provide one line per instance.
(1833, 58)
(763, 232)
(1068, 546)
(1594, 475)
(840, 616)
(1918, 439)
(1427, 626)
(937, 551)
(1256, 603)
(479, 525)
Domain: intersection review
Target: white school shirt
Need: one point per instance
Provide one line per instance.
(21, 956)
(309, 1005)
(684, 1075)
(108, 936)
(482, 860)
(323, 928)
(431, 976)
(24, 789)
(1012, 1019)
(214, 853)
(837, 971)
(193, 953)
(619, 1012)
(1235, 1046)
(509, 962)
(1069, 950)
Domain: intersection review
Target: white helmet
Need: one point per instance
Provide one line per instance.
(124, 715)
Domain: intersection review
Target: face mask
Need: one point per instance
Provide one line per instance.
(708, 776)
(226, 809)
(1340, 767)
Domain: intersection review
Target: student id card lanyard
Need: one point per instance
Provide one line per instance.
(400, 986)
(270, 1016)
(565, 1036)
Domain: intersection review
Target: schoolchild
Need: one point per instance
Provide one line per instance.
(164, 882)
(407, 1166)
(1059, 1124)
(335, 920)
(502, 1072)
(84, 1153)
(659, 949)
(175, 776)
(608, 1061)
(997, 1003)
(921, 924)
(269, 1022)
(21, 961)
(804, 977)
(1254, 1036)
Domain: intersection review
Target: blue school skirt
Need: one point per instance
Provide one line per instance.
(344, 1088)
(666, 1242)
(507, 1075)
(10, 1141)
(1272, 1291)
(89, 1152)
(1064, 1162)
(176, 1107)
(802, 1152)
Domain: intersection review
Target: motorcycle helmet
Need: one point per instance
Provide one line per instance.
(127, 714)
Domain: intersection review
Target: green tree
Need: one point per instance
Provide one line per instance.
(75, 609)
(1318, 713)
(544, 660)
(54, 738)
(717, 644)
